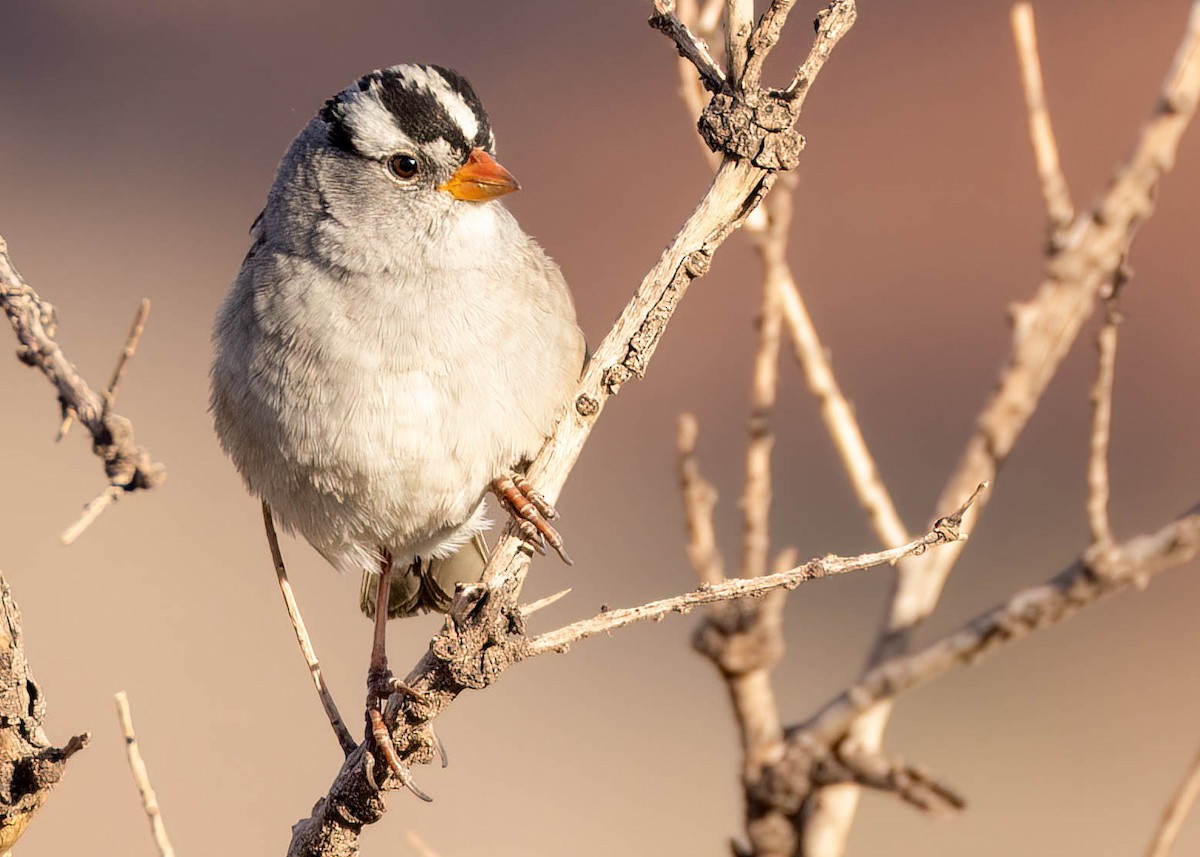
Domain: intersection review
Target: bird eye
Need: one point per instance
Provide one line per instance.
(402, 166)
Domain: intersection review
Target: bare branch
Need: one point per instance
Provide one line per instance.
(131, 344)
(1086, 581)
(1102, 393)
(477, 645)
(528, 610)
(739, 26)
(763, 40)
(831, 24)
(1176, 812)
(345, 739)
(142, 779)
(699, 500)
(127, 465)
(418, 845)
(1044, 329)
(943, 532)
(1059, 211)
(30, 767)
(690, 46)
(91, 511)
(756, 493)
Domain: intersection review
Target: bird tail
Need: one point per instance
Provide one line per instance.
(427, 585)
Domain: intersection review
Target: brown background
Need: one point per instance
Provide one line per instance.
(137, 142)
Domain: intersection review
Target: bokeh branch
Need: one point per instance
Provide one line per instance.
(1176, 812)
(1082, 263)
(127, 465)
(754, 131)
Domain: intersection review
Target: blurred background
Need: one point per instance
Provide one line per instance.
(137, 144)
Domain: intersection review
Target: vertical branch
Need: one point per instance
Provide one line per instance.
(1102, 393)
(1059, 210)
(142, 779)
(699, 500)
(739, 24)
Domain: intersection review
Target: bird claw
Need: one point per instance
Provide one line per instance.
(381, 685)
(531, 512)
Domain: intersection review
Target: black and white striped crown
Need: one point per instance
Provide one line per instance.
(407, 106)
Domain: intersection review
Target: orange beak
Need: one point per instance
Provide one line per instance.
(481, 178)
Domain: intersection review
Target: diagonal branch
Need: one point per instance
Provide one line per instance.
(944, 531)
(1088, 580)
(345, 739)
(1176, 812)
(127, 465)
(482, 640)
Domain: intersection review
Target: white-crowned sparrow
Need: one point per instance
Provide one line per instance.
(394, 345)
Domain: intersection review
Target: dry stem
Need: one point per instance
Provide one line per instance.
(945, 531)
(127, 465)
(1059, 211)
(1176, 812)
(142, 779)
(1102, 397)
(345, 739)
(1085, 582)
(457, 658)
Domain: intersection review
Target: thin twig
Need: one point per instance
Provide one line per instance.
(1176, 812)
(528, 610)
(764, 39)
(944, 531)
(1102, 393)
(1085, 582)
(1059, 211)
(345, 739)
(141, 779)
(691, 47)
(91, 511)
(131, 344)
(739, 26)
(699, 500)
(756, 491)
(623, 355)
(418, 845)
(127, 465)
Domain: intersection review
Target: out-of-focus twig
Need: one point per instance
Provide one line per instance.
(1176, 812)
(1057, 197)
(142, 779)
(1085, 582)
(1086, 259)
(1102, 405)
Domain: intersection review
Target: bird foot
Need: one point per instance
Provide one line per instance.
(381, 684)
(531, 512)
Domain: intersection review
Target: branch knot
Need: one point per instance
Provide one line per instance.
(755, 127)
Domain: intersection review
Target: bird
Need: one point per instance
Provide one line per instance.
(395, 347)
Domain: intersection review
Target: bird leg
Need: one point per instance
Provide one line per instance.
(381, 684)
(531, 512)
